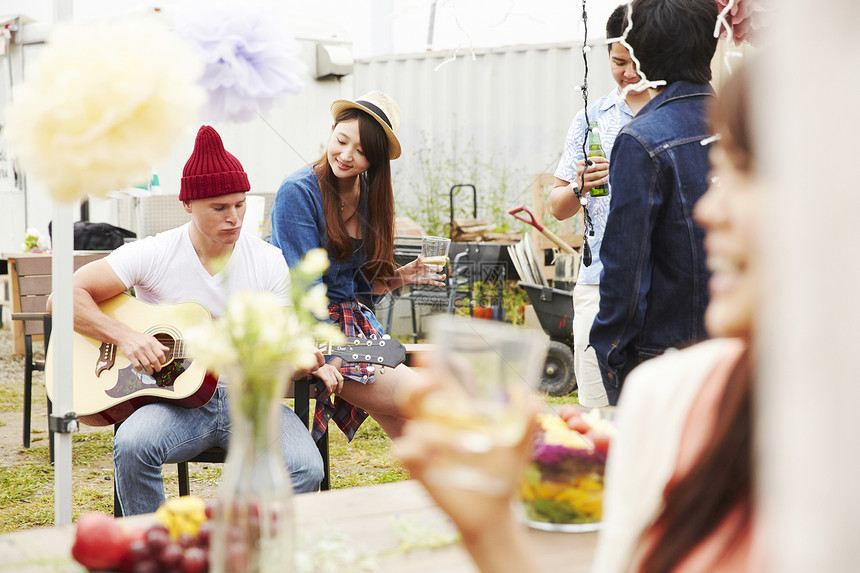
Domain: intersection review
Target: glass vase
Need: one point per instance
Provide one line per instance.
(253, 520)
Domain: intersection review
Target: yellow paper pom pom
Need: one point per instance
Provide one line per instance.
(102, 104)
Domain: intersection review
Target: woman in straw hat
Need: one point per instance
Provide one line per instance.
(344, 203)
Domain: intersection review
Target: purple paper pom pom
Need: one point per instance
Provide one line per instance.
(251, 60)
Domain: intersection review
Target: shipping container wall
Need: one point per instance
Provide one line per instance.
(494, 118)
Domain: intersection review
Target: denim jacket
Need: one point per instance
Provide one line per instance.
(298, 225)
(653, 290)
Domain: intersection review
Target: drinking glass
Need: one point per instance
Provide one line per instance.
(434, 250)
(485, 371)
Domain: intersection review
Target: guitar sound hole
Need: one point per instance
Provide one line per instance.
(170, 343)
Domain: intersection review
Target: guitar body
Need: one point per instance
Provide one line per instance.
(107, 389)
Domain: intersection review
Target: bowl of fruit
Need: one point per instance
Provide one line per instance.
(176, 540)
(562, 489)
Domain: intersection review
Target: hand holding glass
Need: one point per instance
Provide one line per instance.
(486, 372)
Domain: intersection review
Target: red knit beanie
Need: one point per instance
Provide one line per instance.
(211, 170)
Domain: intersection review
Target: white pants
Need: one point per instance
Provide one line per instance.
(586, 302)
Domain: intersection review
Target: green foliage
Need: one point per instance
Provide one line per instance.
(513, 299)
(441, 165)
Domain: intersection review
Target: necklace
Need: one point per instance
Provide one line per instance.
(342, 205)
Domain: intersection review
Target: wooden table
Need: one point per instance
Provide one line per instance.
(363, 514)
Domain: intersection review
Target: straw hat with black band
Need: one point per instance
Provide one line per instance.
(381, 108)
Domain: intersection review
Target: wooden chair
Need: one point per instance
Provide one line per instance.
(31, 284)
(303, 392)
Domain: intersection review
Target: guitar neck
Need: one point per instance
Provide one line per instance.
(380, 352)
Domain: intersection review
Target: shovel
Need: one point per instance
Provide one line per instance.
(543, 230)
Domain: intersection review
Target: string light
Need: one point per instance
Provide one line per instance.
(587, 223)
(643, 83)
(723, 22)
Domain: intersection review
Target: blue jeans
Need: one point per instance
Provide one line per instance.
(159, 434)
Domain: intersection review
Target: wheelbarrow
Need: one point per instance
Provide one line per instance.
(554, 309)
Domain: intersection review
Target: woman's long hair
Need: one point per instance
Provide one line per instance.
(721, 478)
(378, 228)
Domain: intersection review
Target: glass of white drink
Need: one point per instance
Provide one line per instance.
(485, 372)
(434, 251)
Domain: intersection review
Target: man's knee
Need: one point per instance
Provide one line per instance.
(308, 475)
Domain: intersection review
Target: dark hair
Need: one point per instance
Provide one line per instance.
(719, 482)
(674, 39)
(379, 226)
(721, 478)
(616, 23)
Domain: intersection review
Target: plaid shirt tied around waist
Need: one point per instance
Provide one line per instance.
(349, 315)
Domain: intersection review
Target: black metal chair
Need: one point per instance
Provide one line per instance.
(458, 287)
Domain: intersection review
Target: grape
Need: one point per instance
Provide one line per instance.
(138, 550)
(195, 560)
(186, 540)
(171, 555)
(146, 566)
(157, 538)
(204, 534)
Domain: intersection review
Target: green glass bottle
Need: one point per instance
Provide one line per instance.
(596, 150)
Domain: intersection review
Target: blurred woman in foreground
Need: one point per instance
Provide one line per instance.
(679, 476)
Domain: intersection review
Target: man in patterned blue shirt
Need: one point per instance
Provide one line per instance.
(611, 114)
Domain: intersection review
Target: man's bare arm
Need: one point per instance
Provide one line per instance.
(97, 282)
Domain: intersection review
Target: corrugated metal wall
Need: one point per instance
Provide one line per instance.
(499, 113)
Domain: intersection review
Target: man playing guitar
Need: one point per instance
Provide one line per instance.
(203, 261)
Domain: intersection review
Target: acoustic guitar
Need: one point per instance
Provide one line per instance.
(107, 389)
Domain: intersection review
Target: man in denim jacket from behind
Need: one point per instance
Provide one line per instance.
(653, 290)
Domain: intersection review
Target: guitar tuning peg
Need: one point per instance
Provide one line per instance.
(386, 336)
(371, 369)
(381, 369)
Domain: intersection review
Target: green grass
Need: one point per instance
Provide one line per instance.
(27, 489)
(11, 398)
(367, 460)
